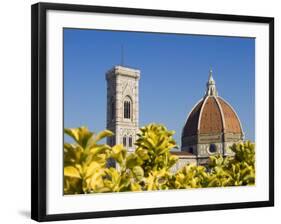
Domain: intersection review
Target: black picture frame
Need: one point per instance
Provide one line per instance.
(39, 122)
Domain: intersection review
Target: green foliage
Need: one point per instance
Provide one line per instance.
(153, 148)
(149, 167)
(84, 161)
(238, 170)
(221, 171)
(192, 176)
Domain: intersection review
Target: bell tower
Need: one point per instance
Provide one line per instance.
(123, 105)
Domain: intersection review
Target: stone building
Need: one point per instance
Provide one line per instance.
(211, 126)
(123, 105)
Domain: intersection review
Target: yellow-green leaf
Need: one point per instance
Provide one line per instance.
(71, 171)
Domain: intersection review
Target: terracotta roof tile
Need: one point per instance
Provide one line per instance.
(211, 118)
(191, 125)
(232, 123)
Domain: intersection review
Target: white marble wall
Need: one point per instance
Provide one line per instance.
(123, 84)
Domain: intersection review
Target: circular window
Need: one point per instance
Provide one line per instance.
(213, 148)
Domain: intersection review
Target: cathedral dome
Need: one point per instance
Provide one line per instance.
(212, 115)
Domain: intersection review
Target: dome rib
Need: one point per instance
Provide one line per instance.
(232, 121)
(200, 113)
(210, 120)
(222, 113)
(190, 127)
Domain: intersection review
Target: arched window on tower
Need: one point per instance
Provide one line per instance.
(127, 108)
(125, 141)
(130, 141)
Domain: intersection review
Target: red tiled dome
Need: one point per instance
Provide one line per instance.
(212, 115)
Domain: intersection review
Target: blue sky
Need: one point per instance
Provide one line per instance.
(174, 71)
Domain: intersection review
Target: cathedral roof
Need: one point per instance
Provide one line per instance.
(212, 115)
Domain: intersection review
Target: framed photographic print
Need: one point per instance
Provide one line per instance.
(139, 111)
